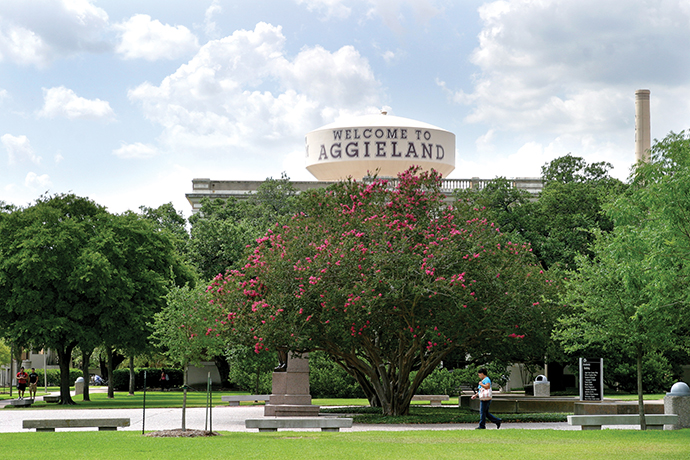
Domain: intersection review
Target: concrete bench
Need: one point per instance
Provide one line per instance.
(595, 422)
(21, 402)
(325, 423)
(434, 400)
(103, 424)
(51, 398)
(234, 400)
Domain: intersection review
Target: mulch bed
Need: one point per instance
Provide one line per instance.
(179, 433)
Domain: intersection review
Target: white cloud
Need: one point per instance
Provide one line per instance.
(561, 66)
(136, 150)
(23, 46)
(485, 142)
(35, 181)
(399, 15)
(63, 102)
(38, 32)
(18, 148)
(3, 94)
(328, 8)
(243, 92)
(209, 24)
(143, 38)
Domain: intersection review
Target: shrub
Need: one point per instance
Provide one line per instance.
(153, 374)
(246, 366)
(441, 382)
(328, 380)
(444, 382)
(54, 376)
(621, 373)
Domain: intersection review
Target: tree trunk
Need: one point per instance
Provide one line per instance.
(390, 382)
(64, 355)
(257, 380)
(109, 362)
(85, 358)
(368, 390)
(131, 375)
(640, 398)
(184, 397)
(104, 366)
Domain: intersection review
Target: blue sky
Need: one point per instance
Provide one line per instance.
(127, 101)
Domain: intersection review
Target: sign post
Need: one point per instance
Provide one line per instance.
(591, 379)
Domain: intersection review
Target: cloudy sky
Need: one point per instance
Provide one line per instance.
(127, 101)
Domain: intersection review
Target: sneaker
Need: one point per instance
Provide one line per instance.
(498, 424)
(480, 428)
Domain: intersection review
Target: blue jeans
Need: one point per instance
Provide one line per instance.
(484, 414)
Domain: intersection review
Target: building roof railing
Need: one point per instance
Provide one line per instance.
(240, 189)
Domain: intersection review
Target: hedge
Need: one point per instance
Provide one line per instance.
(54, 376)
(153, 376)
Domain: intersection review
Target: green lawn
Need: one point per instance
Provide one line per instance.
(123, 401)
(164, 399)
(629, 397)
(432, 445)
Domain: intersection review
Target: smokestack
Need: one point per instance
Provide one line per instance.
(643, 131)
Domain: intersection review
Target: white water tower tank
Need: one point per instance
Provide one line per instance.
(379, 143)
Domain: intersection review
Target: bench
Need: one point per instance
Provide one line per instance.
(325, 423)
(234, 400)
(434, 400)
(467, 389)
(594, 422)
(103, 424)
(21, 402)
(51, 398)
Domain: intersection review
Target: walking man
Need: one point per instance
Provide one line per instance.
(22, 378)
(33, 383)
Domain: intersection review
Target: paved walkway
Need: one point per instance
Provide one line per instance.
(225, 418)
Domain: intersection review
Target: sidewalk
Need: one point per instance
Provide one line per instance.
(225, 418)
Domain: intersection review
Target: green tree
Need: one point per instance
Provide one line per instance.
(249, 370)
(140, 264)
(223, 228)
(182, 331)
(167, 218)
(633, 296)
(41, 289)
(569, 169)
(71, 274)
(219, 236)
(614, 303)
(4, 353)
(387, 281)
(508, 207)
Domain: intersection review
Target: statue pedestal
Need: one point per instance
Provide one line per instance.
(290, 394)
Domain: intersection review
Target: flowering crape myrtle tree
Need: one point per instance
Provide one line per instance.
(387, 280)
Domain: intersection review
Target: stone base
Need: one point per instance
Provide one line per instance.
(617, 407)
(511, 404)
(21, 402)
(290, 391)
(291, 410)
(679, 405)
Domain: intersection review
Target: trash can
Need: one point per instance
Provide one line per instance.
(79, 386)
(542, 387)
